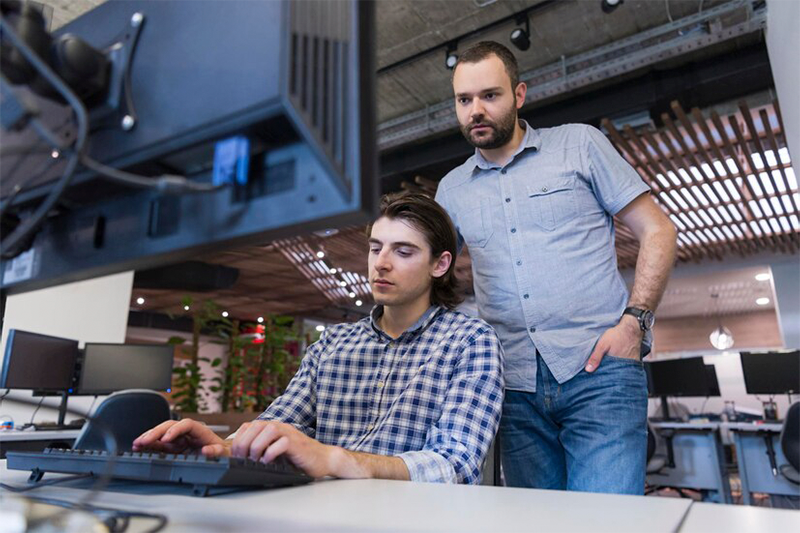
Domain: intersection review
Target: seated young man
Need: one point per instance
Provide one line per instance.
(414, 391)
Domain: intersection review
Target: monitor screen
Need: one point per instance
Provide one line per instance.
(713, 384)
(678, 377)
(771, 372)
(38, 362)
(109, 368)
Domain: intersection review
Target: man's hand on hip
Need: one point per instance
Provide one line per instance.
(623, 340)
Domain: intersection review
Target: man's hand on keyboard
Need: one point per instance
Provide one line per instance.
(184, 436)
(263, 440)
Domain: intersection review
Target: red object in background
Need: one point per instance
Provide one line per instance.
(256, 333)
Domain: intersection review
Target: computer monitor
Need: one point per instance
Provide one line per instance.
(38, 362)
(274, 98)
(678, 377)
(713, 384)
(771, 372)
(108, 368)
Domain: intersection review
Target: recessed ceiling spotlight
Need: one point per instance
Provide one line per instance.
(55, 154)
(610, 5)
(320, 254)
(140, 300)
(764, 276)
(185, 307)
(359, 303)
(762, 301)
(260, 319)
(352, 295)
(343, 284)
(333, 271)
(320, 328)
(225, 314)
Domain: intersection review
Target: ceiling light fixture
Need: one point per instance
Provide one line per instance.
(762, 301)
(721, 338)
(185, 307)
(320, 254)
(764, 276)
(450, 56)
(352, 295)
(610, 5)
(140, 300)
(260, 320)
(521, 37)
(320, 328)
(225, 314)
(359, 303)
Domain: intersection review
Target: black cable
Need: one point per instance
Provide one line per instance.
(166, 183)
(116, 513)
(32, 223)
(29, 424)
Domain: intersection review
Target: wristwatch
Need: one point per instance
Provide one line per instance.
(645, 317)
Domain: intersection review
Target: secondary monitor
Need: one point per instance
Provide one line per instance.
(678, 377)
(38, 362)
(713, 384)
(108, 368)
(771, 372)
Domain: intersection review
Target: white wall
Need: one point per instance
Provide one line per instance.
(783, 42)
(88, 311)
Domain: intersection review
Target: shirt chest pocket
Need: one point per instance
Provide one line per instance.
(551, 203)
(476, 224)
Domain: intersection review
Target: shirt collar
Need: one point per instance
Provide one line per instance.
(420, 325)
(531, 139)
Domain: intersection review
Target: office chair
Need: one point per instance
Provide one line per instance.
(790, 444)
(127, 414)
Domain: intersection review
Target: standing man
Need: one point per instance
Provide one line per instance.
(535, 208)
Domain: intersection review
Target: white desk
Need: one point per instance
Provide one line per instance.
(14, 439)
(381, 506)
(755, 470)
(706, 517)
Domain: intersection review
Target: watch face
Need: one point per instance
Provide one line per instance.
(648, 319)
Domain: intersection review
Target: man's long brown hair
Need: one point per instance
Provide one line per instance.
(430, 219)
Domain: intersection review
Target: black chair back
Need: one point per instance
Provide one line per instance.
(790, 436)
(127, 414)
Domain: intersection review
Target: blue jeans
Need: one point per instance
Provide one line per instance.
(588, 434)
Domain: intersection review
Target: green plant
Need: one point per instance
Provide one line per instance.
(189, 379)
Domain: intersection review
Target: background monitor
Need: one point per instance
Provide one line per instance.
(713, 384)
(678, 377)
(38, 362)
(771, 372)
(108, 368)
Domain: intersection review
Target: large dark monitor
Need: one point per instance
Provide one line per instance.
(38, 362)
(108, 368)
(771, 372)
(274, 98)
(678, 377)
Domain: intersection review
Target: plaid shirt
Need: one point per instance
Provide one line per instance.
(432, 396)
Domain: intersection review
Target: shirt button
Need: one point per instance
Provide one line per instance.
(513, 230)
(508, 200)
(369, 427)
(503, 171)
(526, 296)
(533, 329)
(380, 384)
(519, 263)
(544, 189)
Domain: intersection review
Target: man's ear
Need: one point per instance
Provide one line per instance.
(442, 264)
(520, 93)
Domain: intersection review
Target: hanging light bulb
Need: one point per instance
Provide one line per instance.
(721, 338)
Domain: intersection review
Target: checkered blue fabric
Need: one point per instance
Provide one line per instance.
(433, 396)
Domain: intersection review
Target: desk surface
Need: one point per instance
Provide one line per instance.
(705, 517)
(9, 435)
(772, 427)
(379, 505)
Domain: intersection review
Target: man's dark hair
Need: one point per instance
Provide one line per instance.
(484, 50)
(430, 219)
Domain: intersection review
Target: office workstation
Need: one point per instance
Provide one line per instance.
(187, 202)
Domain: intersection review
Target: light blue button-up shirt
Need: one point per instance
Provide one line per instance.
(541, 237)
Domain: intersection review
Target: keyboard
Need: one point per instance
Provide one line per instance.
(202, 472)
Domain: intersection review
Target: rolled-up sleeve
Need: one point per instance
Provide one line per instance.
(456, 445)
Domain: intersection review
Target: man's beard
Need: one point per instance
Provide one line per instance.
(501, 131)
